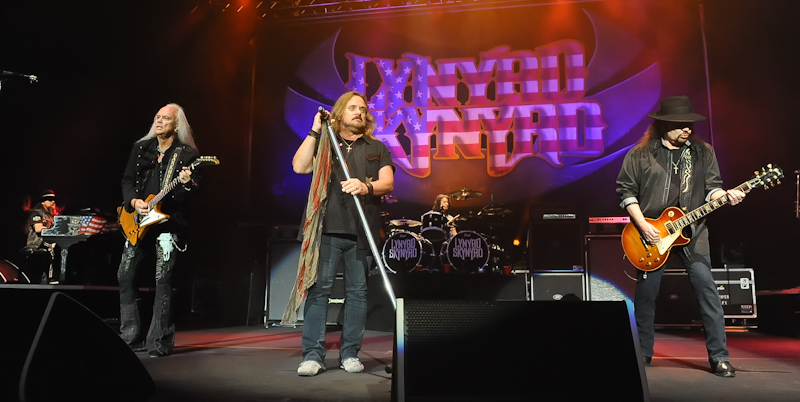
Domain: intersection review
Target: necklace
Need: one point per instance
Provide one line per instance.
(349, 144)
(675, 166)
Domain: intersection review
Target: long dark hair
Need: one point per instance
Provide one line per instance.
(656, 131)
(437, 205)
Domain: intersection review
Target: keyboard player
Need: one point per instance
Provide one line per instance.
(38, 252)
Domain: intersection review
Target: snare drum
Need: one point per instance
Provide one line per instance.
(433, 226)
(466, 252)
(404, 251)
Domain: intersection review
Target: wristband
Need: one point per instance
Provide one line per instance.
(312, 133)
(370, 189)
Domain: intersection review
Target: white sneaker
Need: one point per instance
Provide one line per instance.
(309, 368)
(352, 365)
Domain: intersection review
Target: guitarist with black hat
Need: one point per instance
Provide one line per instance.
(158, 165)
(671, 167)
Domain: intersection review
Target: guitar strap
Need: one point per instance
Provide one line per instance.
(171, 168)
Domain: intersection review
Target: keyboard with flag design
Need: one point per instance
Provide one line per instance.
(70, 229)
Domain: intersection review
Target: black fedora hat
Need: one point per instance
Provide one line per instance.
(678, 109)
(47, 195)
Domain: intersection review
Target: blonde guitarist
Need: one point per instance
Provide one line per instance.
(157, 166)
(669, 172)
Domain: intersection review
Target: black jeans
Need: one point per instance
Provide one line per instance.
(161, 335)
(698, 266)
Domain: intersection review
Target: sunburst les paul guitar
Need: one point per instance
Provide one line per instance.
(134, 225)
(649, 257)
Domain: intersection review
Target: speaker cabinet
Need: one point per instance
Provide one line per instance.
(555, 245)
(549, 286)
(284, 256)
(443, 347)
(611, 276)
(676, 304)
(426, 286)
(59, 350)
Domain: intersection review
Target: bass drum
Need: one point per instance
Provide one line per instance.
(10, 274)
(466, 252)
(404, 251)
(433, 226)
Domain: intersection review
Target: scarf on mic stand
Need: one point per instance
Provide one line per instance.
(312, 228)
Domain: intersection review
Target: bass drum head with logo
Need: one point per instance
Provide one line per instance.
(404, 251)
(10, 274)
(466, 252)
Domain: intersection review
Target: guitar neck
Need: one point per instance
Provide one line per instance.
(163, 192)
(708, 208)
(169, 187)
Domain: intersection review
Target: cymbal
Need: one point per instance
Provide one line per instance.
(405, 222)
(492, 210)
(389, 199)
(464, 194)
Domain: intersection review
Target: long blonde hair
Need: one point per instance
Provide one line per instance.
(183, 130)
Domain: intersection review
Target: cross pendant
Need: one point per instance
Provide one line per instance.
(348, 149)
(676, 169)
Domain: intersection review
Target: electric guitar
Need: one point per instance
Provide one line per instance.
(134, 225)
(650, 257)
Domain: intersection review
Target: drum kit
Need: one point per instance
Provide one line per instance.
(447, 244)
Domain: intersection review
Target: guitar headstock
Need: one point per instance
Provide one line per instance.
(204, 160)
(769, 176)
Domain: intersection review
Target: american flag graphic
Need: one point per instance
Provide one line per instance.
(91, 225)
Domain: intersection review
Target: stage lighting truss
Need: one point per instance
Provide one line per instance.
(287, 11)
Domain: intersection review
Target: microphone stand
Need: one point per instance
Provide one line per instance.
(797, 194)
(360, 208)
(32, 78)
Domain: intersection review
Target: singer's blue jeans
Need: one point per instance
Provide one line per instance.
(334, 251)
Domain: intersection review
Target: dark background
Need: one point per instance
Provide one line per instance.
(105, 68)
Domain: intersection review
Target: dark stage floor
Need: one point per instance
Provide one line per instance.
(258, 364)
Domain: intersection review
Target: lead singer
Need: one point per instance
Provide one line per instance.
(332, 230)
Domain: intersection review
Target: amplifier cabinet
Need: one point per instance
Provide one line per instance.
(558, 286)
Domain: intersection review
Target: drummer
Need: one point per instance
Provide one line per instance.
(442, 205)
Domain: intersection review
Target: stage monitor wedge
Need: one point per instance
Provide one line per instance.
(75, 356)
(516, 351)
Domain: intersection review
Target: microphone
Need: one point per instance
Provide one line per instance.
(33, 78)
(322, 115)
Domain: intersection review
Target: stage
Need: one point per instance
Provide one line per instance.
(258, 364)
